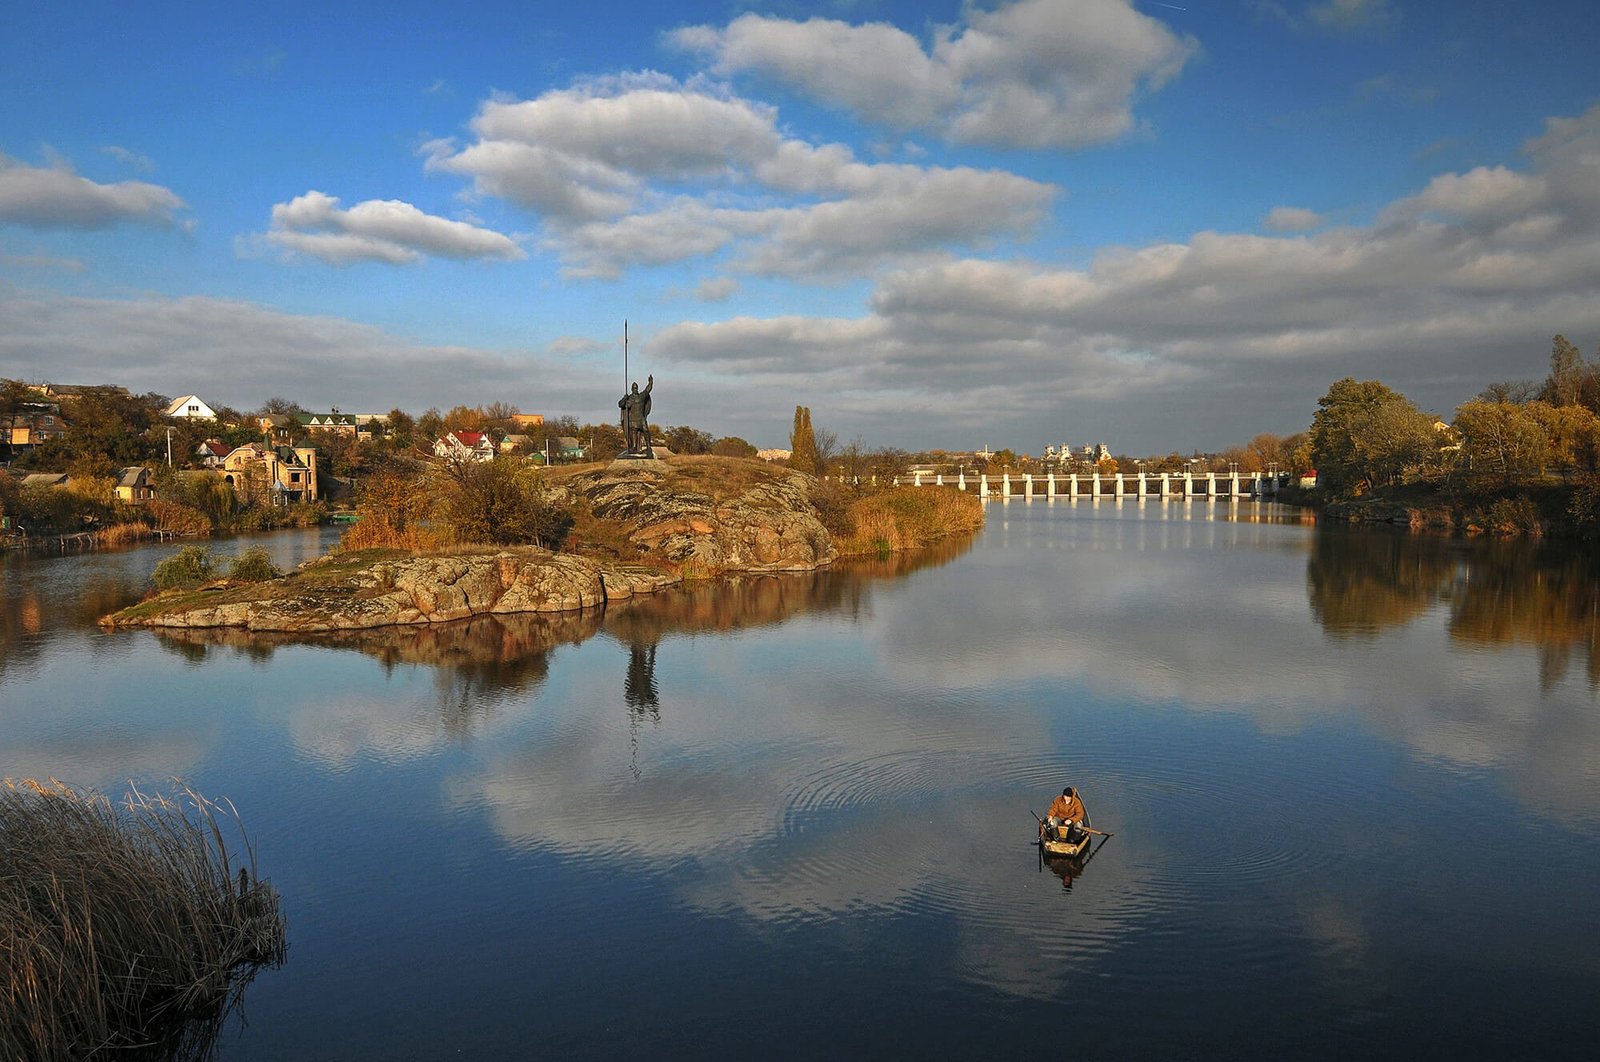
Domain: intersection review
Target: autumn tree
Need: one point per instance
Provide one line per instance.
(732, 446)
(1501, 439)
(1365, 435)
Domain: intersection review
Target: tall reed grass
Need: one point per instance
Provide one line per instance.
(125, 928)
(900, 518)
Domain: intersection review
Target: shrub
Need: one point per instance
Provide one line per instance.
(254, 565)
(184, 570)
(178, 518)
(124, 927)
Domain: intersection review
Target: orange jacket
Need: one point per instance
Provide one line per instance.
(1068, 808)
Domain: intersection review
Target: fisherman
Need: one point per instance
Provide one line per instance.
(1066, 810)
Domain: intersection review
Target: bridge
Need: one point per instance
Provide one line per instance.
(1097, 485)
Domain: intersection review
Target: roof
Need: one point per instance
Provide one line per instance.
(130, 476)
(177, 405)
(467, 438)
(47, 479)
(323, 420)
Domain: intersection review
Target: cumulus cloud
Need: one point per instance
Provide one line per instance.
(716, 289)
(378, 230)
(56, 197)
(239, 353)
(1292, 219)
(643, 170)
(1032, 73)
(1454, 286)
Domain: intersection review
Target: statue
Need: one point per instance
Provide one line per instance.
(635, 408)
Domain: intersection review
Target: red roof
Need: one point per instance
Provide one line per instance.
(468, 438)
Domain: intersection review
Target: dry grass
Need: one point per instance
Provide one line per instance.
(123, 534)
(901, 518)
(124, 927)
(375, 532)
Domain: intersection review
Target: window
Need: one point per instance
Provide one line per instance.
(194, 409)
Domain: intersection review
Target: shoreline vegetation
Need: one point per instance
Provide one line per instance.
(452, 541)
(125, 928)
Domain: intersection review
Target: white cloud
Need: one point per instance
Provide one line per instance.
(1033, 73)
(716, 289)
(55, 197)
(1292, 219)
(1448, 289)
(385, 230)
(645, 171)
(1345, 15)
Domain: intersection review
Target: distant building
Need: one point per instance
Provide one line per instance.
(512, 443)
(334, 422)
(133, 485)
(464, 446)
(528, 420)
(774, 455)
(189, 407)
(24, 431)
(278, 475)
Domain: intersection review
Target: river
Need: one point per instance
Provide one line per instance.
(1353, 778)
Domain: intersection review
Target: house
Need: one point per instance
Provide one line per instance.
(465, 446)
(279, 475)
(334, 421)
(189, 407)
(774, 455)
(24, 431)
(211, 452)
(133, 485)
(1308, 479)
(513, 443)
(45, 479)
(528, 420)
(563, 448)
(278, 427)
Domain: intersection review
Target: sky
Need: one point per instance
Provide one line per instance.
(1008, 223)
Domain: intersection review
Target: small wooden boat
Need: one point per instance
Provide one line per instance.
(1065, 841)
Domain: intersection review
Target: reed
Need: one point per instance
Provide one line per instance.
(901, 518)
(123, 534)
(125, 927)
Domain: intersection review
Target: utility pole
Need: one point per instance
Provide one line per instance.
(169, 445)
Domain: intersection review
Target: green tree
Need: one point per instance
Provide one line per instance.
(1365, 435)
(803, 443)
(732, 446)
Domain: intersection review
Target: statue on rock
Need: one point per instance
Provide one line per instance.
(635, 406)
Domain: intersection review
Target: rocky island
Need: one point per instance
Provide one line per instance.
(638, 527)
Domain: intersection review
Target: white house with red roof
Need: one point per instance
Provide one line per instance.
(465, 446)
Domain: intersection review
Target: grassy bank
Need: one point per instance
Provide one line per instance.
(124, 926)
(1524, 509)
(895, 519)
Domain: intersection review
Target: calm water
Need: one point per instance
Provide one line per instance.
(1354, 780)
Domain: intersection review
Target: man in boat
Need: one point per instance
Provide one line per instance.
(1066, 810)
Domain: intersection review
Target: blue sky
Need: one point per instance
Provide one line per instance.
(1161, 226)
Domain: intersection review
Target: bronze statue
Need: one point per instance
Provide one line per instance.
(635, 408)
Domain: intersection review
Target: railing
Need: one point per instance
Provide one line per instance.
(1097, 485)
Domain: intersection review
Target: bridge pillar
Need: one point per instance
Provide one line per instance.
(1027, 484)
(938, 480)
(1072, 485)
(1005, 484)
(1141, 483)
(1116, 486)
(1050, 485)
(1211, 484)
(1094, 485)
(961, 479)
(1188, 484)
(916, 479)
(983, 485)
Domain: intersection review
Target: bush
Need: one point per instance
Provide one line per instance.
(184, 570)
(124, 927)
(254, 565)
(177, 518)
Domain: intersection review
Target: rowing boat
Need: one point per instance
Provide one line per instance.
(1063, 840)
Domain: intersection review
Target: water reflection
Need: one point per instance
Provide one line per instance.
(1497, 593)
